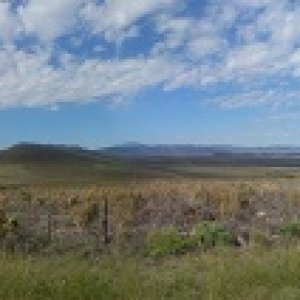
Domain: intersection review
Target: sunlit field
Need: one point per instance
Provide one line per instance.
(151, 239)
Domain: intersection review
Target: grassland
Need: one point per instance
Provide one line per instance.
(221, 275)
(122, 171)
(74, 264)
(175, 231)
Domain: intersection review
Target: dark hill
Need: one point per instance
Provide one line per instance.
(34, 163)
(35, 153)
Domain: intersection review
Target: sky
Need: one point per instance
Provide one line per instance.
(98, 73)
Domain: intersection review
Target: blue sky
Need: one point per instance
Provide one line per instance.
(97, 73)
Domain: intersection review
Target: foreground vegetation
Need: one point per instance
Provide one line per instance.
(176, 215)
(162, 239)
(220, 274)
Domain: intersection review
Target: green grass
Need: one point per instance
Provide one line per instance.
(222, 274)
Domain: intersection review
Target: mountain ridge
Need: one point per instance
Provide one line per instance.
(189, 150)
(26, 152)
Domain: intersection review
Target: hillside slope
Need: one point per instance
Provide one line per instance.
(32, 163)
(35, 153)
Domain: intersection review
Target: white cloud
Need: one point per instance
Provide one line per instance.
(249, 41)
(115, 17)
(254, 97)
(240, 42)
(27, 79)
(49, 19)
(275, 97)
(9, 25)
(205, 45)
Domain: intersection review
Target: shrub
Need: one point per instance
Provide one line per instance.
(291, 229)
(2, 222)
(209, 234)
(85, 213)
(165, 241)
(7, 225)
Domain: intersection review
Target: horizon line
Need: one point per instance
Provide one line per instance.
(132, 144)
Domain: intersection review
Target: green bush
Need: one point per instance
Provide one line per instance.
(291, 229)
(165, 241)
(210, 234)
(7, 225)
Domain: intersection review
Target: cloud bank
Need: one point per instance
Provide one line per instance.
(61, 51)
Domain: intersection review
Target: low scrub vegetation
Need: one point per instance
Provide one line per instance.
(203, 236)
(152, 240)
(182, 215)
(210, 234)
(166, 241)
(291, 229)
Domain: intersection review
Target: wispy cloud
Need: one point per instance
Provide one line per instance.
(241, 42)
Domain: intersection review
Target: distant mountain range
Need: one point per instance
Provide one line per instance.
(141, 150)
(39, 153)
